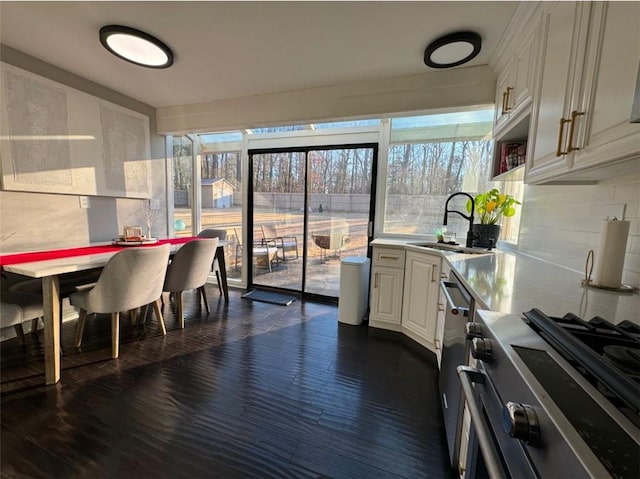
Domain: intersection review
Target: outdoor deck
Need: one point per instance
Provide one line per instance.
(323, 266)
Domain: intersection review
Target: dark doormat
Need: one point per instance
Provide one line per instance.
(270, 297)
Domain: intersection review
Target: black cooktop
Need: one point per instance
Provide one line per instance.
(606, 354)
(610, 443)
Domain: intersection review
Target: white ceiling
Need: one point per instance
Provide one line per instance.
(229, 50)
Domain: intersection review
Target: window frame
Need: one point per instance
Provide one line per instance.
(310, 137)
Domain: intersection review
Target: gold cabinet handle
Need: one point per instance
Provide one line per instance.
(375, 280)
(388, 256)
(574, 114)
(506, 108)
(559, 151)
(433, 273)
(504, 95)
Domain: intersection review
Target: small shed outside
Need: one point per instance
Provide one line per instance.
(217, 193)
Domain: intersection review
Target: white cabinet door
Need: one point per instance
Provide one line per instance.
(504, 88)
(604, 133)
(515, 82)
(421, 287)
(441, 307)
(514, 94)
(563, 42)
(386, 295)
(591, 52)
(524, 77)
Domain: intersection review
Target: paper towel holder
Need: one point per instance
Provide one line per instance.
(588, 282)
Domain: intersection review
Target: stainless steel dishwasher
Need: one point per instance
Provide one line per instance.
(455, 352)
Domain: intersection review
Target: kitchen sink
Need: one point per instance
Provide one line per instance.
(453, 248)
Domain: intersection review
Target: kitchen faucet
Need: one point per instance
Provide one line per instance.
(470, 234)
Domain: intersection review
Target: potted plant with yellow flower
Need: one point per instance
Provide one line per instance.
(491, 207)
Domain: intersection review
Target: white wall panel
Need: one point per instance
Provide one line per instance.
(32, 221)
(562, 223)
(433, 90)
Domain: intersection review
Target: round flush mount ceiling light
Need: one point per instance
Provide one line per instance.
(136, 47)
(452, 50)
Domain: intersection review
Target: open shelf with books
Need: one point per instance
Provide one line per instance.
(510, 151)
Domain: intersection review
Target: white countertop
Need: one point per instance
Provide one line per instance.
(512, 282)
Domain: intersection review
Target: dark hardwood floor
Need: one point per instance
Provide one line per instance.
(250, 390)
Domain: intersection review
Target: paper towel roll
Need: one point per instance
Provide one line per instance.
(610, 254)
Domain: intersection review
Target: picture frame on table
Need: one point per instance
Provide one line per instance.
(132, 233)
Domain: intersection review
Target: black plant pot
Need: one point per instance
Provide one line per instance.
(485, 236)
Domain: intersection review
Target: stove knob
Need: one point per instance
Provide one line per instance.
(481, 349)
(521, 422)
(473, 330)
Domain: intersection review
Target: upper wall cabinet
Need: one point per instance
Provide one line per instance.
(589, 56)
(515, 85)
(515, 71)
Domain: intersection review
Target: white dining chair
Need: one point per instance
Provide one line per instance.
(189, 269)
(221, 235)
(69, 283)
(16, 308)
(131, 279)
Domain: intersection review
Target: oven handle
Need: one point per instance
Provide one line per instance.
(453, 307)
(487, 446)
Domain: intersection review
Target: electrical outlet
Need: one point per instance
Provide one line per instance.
(615, 210)
(84, 202)
(608, 210)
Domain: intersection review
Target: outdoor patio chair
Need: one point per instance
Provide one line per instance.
(337, 239)
(131, 279)
(283, 243)
(324, 243)
(238, 249)
(263, 252)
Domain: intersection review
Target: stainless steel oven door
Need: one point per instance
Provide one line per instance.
(501, 456)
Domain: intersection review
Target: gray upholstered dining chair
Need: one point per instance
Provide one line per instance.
(189, 269)
(131, 279)
(69, 283)
(221, 235)
(16, 308)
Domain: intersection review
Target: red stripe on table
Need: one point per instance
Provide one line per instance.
(8, 259)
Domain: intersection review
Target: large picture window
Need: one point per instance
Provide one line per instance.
(431, 157)
(428, 157)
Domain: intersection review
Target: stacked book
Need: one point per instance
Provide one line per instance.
(512, 155)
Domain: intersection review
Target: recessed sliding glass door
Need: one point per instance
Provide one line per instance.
(340, 183)
(278, 218)
(310, 208)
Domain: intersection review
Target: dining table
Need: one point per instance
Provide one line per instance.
(52, 264)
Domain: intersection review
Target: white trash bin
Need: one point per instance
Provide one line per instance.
(354, 289)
